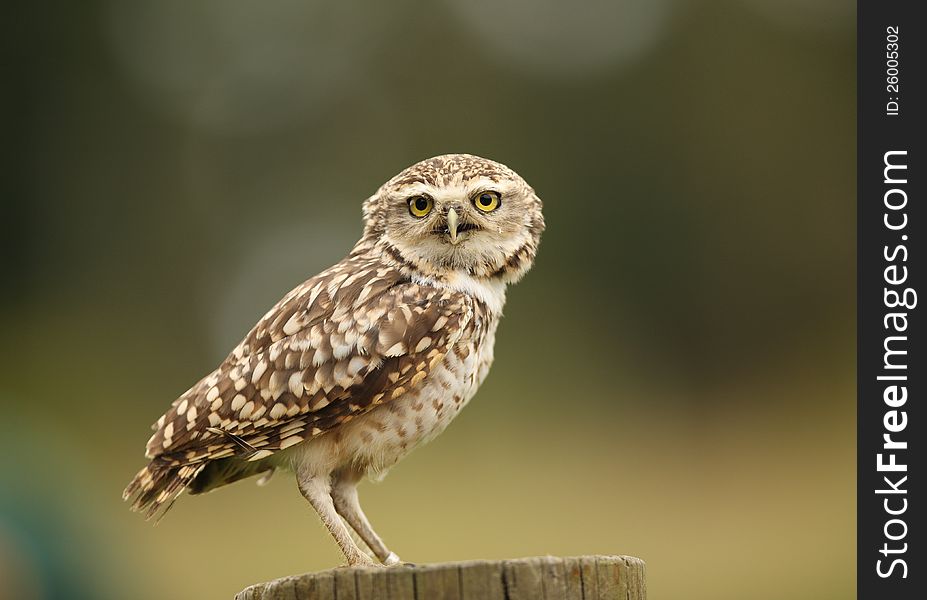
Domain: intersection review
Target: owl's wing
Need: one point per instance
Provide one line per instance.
(330, 351)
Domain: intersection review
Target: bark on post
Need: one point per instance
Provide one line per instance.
(541, 578)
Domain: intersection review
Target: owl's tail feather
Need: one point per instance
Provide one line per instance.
(156, 487)
(228, 470)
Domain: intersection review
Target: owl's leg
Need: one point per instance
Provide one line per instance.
(318, 491)
(344, 496)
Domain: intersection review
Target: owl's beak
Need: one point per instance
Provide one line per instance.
(452, 225)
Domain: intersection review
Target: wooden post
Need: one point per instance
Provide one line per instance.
(541, 578)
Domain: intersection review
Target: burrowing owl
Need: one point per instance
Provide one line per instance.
(361, 363)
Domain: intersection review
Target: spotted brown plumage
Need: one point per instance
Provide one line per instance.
(363, 362)
(332, 349)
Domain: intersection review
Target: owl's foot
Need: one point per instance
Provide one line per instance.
(392, 560)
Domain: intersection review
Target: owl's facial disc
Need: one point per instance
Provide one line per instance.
(457, 213)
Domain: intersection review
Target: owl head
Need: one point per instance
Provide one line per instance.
(457, 212)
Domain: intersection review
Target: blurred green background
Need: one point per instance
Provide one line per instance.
(673, 380)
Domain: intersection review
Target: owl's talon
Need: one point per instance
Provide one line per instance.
(392, 560)
(363, 562)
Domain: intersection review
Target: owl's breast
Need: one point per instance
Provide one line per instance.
(397, 427)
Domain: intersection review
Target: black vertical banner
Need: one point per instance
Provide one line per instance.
(892, 369)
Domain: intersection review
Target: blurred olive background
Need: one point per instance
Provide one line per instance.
(673, 380)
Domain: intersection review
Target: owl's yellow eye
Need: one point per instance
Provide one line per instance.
(420, 206)
(488, 201)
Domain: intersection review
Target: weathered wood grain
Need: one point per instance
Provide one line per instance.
(540, 578)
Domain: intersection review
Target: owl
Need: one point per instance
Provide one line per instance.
(365, 361)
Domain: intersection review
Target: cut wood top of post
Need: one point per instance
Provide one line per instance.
(539, 578)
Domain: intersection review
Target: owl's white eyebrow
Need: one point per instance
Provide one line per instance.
(414, 189)
(481, 184)
(484, 184)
